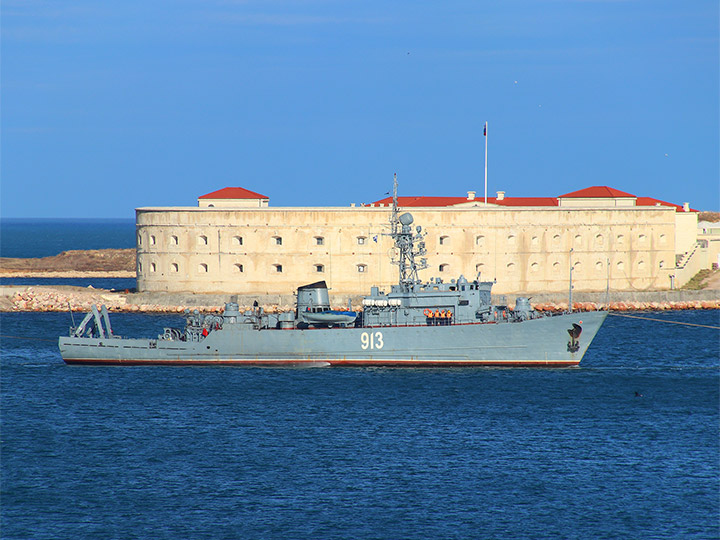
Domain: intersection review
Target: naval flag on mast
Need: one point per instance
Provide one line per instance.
(485, 135)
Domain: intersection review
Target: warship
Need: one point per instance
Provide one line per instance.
(435, 324)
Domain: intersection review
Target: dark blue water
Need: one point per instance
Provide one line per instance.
(98, 283)
(187, 452)
(28, 238)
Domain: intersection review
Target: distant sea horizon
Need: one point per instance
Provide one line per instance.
(45, 237)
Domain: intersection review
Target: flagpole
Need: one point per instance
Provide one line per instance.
(485, 134)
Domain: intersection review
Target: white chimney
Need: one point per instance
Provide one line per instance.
(471, 196)
(686, 207)
(500, 195)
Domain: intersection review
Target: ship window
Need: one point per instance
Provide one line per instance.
(319, 240)
(443, 268)
(238, 268)
(202, 268)
(319, 268)
(444, 240)
(362, 268)
(202, 240)
(361, 240)
(278, 268)
(152, 240)
(278, 240)
(153, 268)
(174, 267)
(174, 240)
(237, 241)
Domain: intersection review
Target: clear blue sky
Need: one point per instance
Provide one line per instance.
(108, 106)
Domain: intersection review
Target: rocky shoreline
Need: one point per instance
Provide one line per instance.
(61, 298)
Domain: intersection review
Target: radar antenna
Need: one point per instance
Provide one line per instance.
(407, 255)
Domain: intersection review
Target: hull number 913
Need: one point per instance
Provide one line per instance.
(371, 340)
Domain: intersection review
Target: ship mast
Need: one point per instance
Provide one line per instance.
(405, 252)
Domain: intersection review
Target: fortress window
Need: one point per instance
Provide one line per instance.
(480, 241)
(479, 267)
(319, 240)
(510, 267)
(238, 268)
(577, 268)
(153, 268)
(152, 240)
(556, 240)
(174, 268)
(139, 240)
(598, 267)
(278, 268)
(535, 241)
(444, 240)
(556, 268)
(661, 264)
(361, 240)
(443, 268)
(511, 239)
(620, 265)
(620, 239)
(278, 240)
(202, 268)
(319, 268)
(174, 240)
(237, 241)
(599, 240)
(202, 240)
(642, 238)
(362, 268)
(578, 239)
(139, 267)
(663, 239)
(534, 267)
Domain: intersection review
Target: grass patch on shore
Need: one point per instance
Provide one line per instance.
(699, 280)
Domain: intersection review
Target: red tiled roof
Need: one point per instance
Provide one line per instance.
(649, 201)
(409, 202)
(597, 192)
(233, 193)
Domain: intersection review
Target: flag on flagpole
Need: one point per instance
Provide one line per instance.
(485, 130)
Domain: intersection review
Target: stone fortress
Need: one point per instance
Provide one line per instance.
(234, 242)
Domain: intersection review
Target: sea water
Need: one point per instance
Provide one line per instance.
(626, 446)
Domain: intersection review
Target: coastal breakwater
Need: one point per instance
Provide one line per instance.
(14, 298)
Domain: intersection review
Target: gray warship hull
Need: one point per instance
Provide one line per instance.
(540, 342)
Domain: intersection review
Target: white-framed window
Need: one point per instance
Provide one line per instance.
(362, 268)
(174, 240)
(152, 239)
(153, 267)
(444, 240)
(238, 268)
(444, 267)
(361, 240)
(278, 240)
(202, 268)
(237, 240)
(319, 241)
(480, 240)
(174, 268)
(320, 268)
(203, 240)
